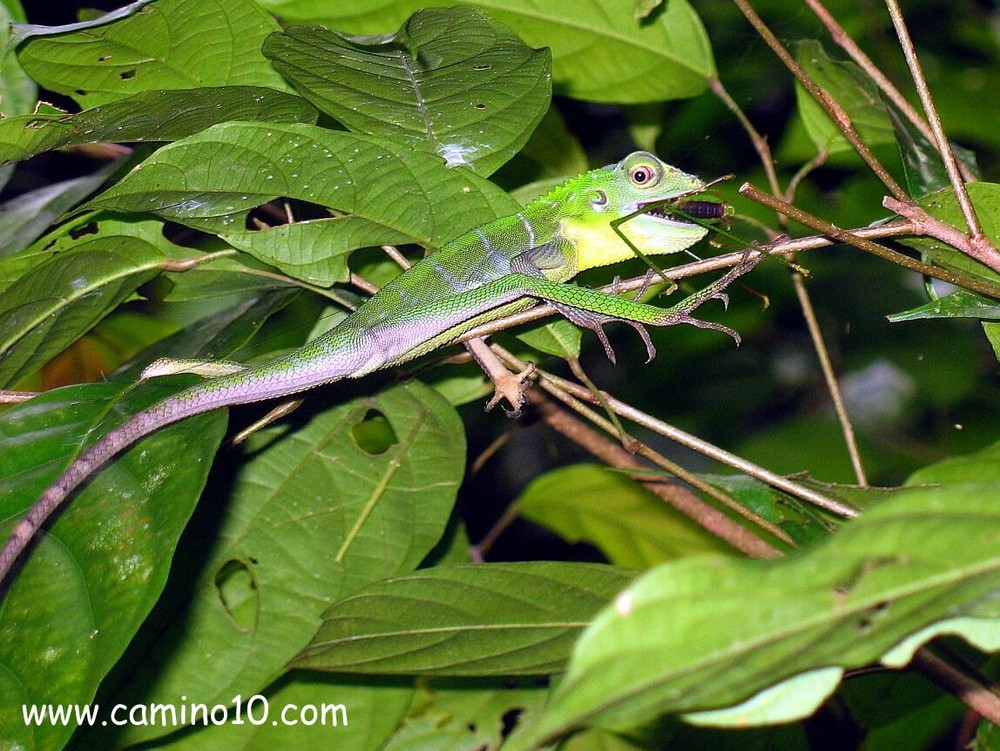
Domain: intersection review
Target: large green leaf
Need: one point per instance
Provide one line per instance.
(211, 180)
(600, 50)
(473, 620)
(62, 297)
(630, 525)
(168, 44)
(149, 116)
(451, 81)
(360, 492)
(92, 578)
(852, 89)
(782, 631)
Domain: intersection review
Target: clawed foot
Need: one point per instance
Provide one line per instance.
(511, 387)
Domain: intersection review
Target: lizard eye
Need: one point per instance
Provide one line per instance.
(642, 175)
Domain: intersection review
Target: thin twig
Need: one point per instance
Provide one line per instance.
(855, 239)
(832, 385)
(940, 139)
(718, 454)
(837, 114)
(844, 41)
(779, 247)
(979, 248)
(973, 693)
(760, 144)
(683, 501)
(551, 386)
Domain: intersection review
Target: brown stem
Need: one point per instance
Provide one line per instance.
(678, 498)
(846, 427)
(979, 248)
(852, 238)
(973, 693)
(759, 142)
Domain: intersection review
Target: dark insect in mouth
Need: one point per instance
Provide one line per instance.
(681, 210)
(702, 209)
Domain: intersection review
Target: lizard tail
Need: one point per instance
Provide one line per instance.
(218, 392)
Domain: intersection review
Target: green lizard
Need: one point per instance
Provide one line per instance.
(601, 217)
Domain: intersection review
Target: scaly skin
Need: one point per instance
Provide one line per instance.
(488, 272)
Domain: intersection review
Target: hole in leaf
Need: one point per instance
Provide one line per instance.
(103, 58)
(90, 228)
(374, 435)
(237, 588)
(126, 75)
(481, 66)
(480, 106)
(869, 616)
(80, 92)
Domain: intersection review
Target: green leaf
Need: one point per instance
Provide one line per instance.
(17, 90)
(217, 336)
(149, 116)
(992, 331)
(212, 179)
(451, 81)
(801, 521)
(959, 304)
(852, 89)
(560, 338)
(24, 218)
(360, 492)
(600, 52)
(316, 250)
(169, 44)
(61, 298)
(90, 581)
(473, 620)
(605, 54)
(922, 564)
(630, 525)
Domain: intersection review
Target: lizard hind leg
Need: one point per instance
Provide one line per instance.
(595, 322)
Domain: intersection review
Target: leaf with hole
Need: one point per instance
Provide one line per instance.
(159, 46)
(355, 493)
(452, 81)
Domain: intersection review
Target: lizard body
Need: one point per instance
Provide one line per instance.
(492, 270)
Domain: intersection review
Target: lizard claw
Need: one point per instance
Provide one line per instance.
(511, 387)
(650, 349)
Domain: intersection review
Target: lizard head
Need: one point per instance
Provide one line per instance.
(597, 203)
